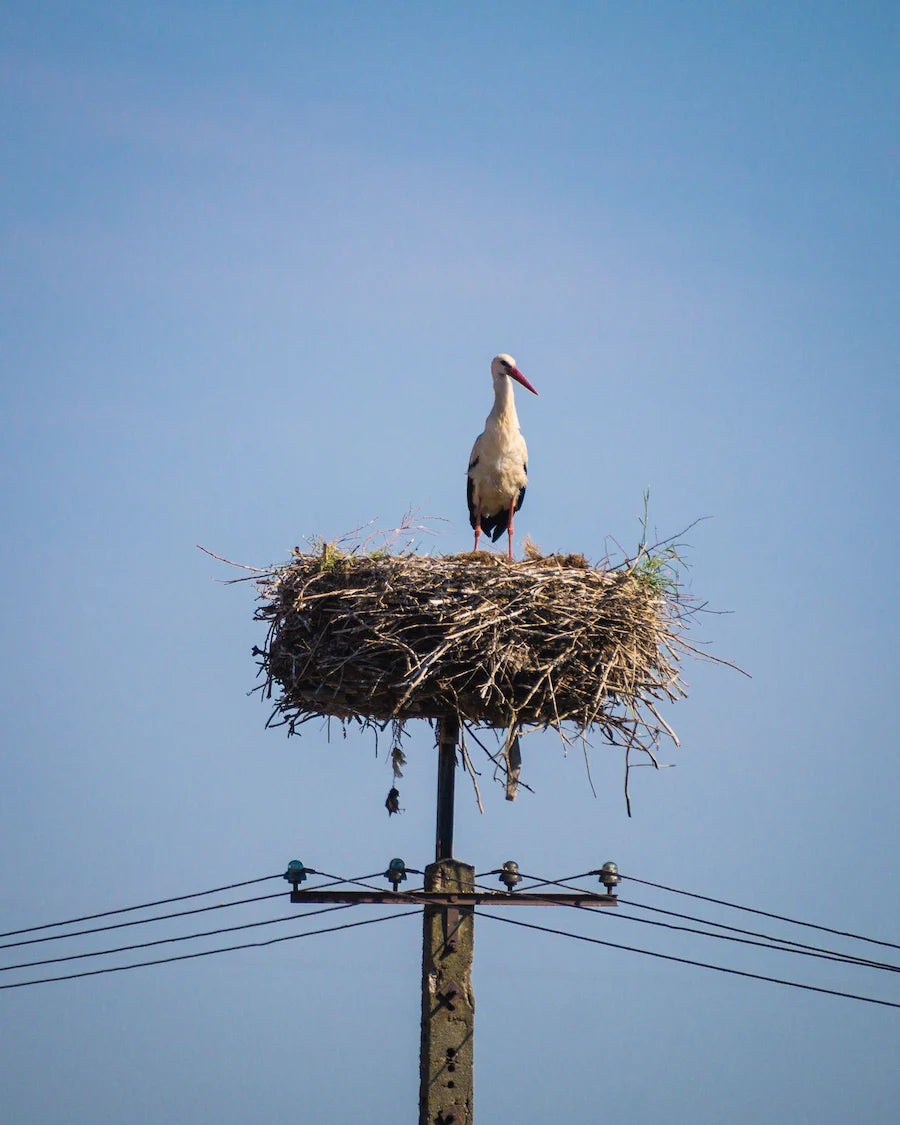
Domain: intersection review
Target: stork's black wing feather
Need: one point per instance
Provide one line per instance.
(495, 525)
(470, 495)
(500, 529)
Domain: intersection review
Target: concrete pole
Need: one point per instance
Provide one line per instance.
(448, 1006)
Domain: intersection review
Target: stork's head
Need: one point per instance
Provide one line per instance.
(504, 367)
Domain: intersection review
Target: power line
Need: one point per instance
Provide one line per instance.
(718, 902)
(361, 881)
(784, 945)
(552, 882)
(184, 937)
(788, 944)
(211, 952)
(162, 917)
(408, 896)
(140, 906)
(769, 941)
(764, 913)
(687, 961)
(773, 944)
(142, 921)
(538, 882)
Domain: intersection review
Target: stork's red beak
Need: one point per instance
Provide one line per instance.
(516, 374)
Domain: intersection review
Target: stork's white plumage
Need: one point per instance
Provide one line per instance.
(498, 465)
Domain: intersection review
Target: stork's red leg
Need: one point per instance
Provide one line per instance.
(509, 526)
(477, 525)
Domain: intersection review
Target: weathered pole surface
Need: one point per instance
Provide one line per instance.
(448, 1006)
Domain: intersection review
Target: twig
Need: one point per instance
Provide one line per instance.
(230, 562)
(467, 762)
(627, 771)
(587, 765)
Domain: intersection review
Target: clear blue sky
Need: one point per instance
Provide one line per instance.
(257, 260)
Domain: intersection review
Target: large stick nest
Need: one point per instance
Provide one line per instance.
(547, 641)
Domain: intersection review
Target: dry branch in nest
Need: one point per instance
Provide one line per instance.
(549, 641)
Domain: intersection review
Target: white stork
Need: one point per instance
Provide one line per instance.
(498, 465)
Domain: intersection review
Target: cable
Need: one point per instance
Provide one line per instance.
(824, 955)
(538, 883)
(362, 880)
(142, 906)
(210, 952)
(337, 880)
(801, 947)
(164, 917)
(769, 941)
(552, 882)
(764, 913)
(186, 937)
(686, 961)
(409, 895)
(140, 921)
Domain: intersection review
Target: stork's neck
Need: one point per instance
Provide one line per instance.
(504, 413)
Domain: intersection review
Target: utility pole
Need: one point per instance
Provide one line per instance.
(449, 899)
(446, 1059)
